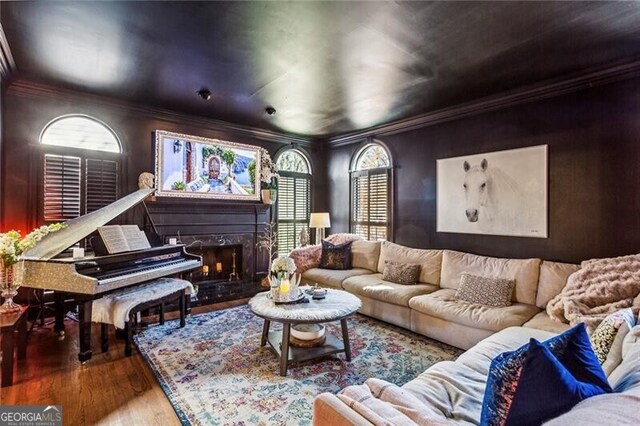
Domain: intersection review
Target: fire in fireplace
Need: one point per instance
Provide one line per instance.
(220, 263)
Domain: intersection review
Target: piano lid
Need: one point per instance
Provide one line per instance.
(78, 228)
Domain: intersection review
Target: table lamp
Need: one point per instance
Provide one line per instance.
(319, 221)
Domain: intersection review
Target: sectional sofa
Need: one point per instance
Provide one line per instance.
(430, 308)
(452, 391)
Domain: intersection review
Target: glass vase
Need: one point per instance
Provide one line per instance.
(10, 279)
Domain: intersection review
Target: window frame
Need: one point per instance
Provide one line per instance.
(295, 175)
(355, 173)
(37, 175)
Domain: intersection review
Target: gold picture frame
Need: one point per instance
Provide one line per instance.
(197, 167)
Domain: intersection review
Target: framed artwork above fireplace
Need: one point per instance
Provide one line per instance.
(197, 167)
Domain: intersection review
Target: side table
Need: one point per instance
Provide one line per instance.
(9, 325)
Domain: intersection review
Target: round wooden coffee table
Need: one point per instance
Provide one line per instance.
(338, 305)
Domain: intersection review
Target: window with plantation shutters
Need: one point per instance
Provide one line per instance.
(86, 181)
(61, 187)
(293, 204)
(101, 184)
(371, 193)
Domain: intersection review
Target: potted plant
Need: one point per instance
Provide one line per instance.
(268, 178)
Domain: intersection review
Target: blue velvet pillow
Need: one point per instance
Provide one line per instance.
(571, 348)
(547, 389)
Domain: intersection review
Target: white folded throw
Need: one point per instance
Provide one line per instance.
(114, 308)
(383, 403)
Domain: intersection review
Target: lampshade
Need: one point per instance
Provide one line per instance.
(319, 220)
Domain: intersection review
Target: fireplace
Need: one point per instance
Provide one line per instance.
(214, 230)
(227, 271)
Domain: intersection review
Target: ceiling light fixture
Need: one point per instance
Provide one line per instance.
(205, 94)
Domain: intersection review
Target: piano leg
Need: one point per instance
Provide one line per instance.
(58, 300)
(84, 318)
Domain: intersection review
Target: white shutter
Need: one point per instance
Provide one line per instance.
(370, 203)
(293, 209)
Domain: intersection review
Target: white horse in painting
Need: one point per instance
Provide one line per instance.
(493, 199)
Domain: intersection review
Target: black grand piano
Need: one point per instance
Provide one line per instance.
(92, 277)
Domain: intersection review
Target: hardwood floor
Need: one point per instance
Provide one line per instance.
(109, 389)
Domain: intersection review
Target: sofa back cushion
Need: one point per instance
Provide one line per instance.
(524, 272)
(365, 254)
(430, 261)
(553, 278)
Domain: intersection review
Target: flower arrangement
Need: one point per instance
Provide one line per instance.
(13, 245)
(283, 266)
(268, 171)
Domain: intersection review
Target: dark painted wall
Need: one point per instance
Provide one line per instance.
(27, 112)
(594, 174)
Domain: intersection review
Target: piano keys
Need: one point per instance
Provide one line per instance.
(91, 277)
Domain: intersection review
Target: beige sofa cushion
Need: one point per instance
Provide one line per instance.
(374, 287)
(443, 304)
(430, 260)
(525, 272)
(542, 321)
(553, 278)
(365, 254)
(331, 277)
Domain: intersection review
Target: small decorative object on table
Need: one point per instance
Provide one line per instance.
(284, 281)
(317, 292)
(12, 246)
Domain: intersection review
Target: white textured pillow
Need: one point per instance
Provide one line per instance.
(485, 291)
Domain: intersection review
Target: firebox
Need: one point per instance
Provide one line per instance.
(227, 271)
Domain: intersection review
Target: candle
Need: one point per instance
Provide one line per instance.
(205, 269)
(218, 267)
(284, 286)
(173, 241)
(78, 253)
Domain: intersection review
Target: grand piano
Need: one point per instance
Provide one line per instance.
(92, 277)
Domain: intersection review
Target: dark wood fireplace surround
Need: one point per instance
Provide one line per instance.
(204, 225)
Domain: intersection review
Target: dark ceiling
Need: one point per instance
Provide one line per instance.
(327, 67)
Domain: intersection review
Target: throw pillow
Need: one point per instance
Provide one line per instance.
(605, 334)
(485, 291)
(401, 273)
(546, 388)
(335, 256)
(573, 350)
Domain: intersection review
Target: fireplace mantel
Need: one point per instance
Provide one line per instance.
(191, 220)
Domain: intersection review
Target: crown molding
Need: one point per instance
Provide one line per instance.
(7, 64)
(26, 88)
(544, 90)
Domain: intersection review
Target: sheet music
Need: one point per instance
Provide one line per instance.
(118, 239)
(136, 239)
(113, 238)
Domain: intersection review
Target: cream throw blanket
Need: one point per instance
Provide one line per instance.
(598, 288)
(385, 404)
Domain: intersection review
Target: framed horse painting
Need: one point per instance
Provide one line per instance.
(496, 193)
(196, 167)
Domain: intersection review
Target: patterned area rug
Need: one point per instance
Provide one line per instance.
(215, 372)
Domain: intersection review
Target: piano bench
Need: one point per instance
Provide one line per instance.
(180, 296)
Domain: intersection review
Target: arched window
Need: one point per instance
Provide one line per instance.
(293, 205)
(80, 164)
(371, 192)
(80, 131)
